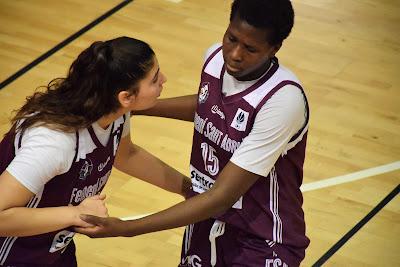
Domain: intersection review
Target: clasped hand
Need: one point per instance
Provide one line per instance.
(92, 218)
(99, 226)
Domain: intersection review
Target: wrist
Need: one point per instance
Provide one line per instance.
(131, 228)
(73, 213)
(123, 229)
(187, 188)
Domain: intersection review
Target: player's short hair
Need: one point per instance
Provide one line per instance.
(276, 16)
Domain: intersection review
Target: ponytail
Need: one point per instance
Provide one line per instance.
(91, 87)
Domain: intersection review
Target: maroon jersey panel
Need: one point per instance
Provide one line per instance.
(86, 177)
(272, 207)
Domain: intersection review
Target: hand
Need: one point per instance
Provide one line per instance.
(102, 227)
(94, 205)
(186, 188)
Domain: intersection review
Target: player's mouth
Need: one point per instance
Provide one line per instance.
(232, 69)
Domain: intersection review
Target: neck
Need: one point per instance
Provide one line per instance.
(106, 120)
(257, 74)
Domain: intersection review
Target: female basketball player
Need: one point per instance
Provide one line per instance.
(250, 132)
(58, 155)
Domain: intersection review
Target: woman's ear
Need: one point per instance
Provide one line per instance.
(275, 49)
(126, 99)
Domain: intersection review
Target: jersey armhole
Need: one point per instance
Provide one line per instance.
(76, 148)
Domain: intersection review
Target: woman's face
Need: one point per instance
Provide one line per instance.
(246, 50)
(150, 88)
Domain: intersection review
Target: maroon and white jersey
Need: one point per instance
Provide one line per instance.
(86, 177)
(272, 207)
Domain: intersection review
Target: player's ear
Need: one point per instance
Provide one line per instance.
(126, 99)
(275, 49)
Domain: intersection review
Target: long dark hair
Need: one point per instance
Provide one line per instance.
(91, 87)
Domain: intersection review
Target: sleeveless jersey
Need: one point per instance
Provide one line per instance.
(272, 208)
(86, 177)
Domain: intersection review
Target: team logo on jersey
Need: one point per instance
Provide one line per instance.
(240, 120)
(86, 169)
(61, 240)
(103, 165)
(215, 109)
(191, 261)
(277, 262)
(203, 95)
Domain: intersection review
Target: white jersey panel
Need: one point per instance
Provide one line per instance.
(210, 50)
(214, 69)
(127, 125)
(281, 117)
(282, 74)
(46, 153)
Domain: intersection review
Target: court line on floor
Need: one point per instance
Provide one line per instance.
(62, 44)
(135, 217)
(356, 228)
(335, 181)
(351, 177)
(328, 182)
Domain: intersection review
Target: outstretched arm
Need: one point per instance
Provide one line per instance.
(17, 220)
(135, 161)
(232, 183)
(181, 108)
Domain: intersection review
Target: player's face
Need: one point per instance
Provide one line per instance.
(150, 88)
(246, 51)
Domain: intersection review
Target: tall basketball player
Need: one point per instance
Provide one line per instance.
(250, 128)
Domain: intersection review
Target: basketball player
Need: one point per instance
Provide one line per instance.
(250, 128)
(63, 144)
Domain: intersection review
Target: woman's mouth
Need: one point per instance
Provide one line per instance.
(231, 68)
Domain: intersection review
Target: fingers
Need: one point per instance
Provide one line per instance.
(89, 231)
(93, 220)
(84, 224)
(99, 197)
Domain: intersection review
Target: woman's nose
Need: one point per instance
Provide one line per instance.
(236, 53)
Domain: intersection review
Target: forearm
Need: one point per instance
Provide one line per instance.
(192, 210)
(232, 183)
(181, 108)
(21, 221)
(147, 167)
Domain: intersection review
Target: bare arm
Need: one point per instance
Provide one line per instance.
(232, 183)
(181, 108)
(17, 220)
(135, 161)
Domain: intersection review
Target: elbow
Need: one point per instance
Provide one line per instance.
(222, 203)
(221, 210)
(225, 206)
(119, 163)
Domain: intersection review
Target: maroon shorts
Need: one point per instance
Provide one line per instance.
(213, 243)
(67, 259)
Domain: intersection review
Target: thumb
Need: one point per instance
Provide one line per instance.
(102, 196)
(94, 220)
(99, 197)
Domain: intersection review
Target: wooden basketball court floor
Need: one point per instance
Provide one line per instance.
(347, 54)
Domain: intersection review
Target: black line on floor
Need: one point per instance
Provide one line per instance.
(357, 227)
(62, 44)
